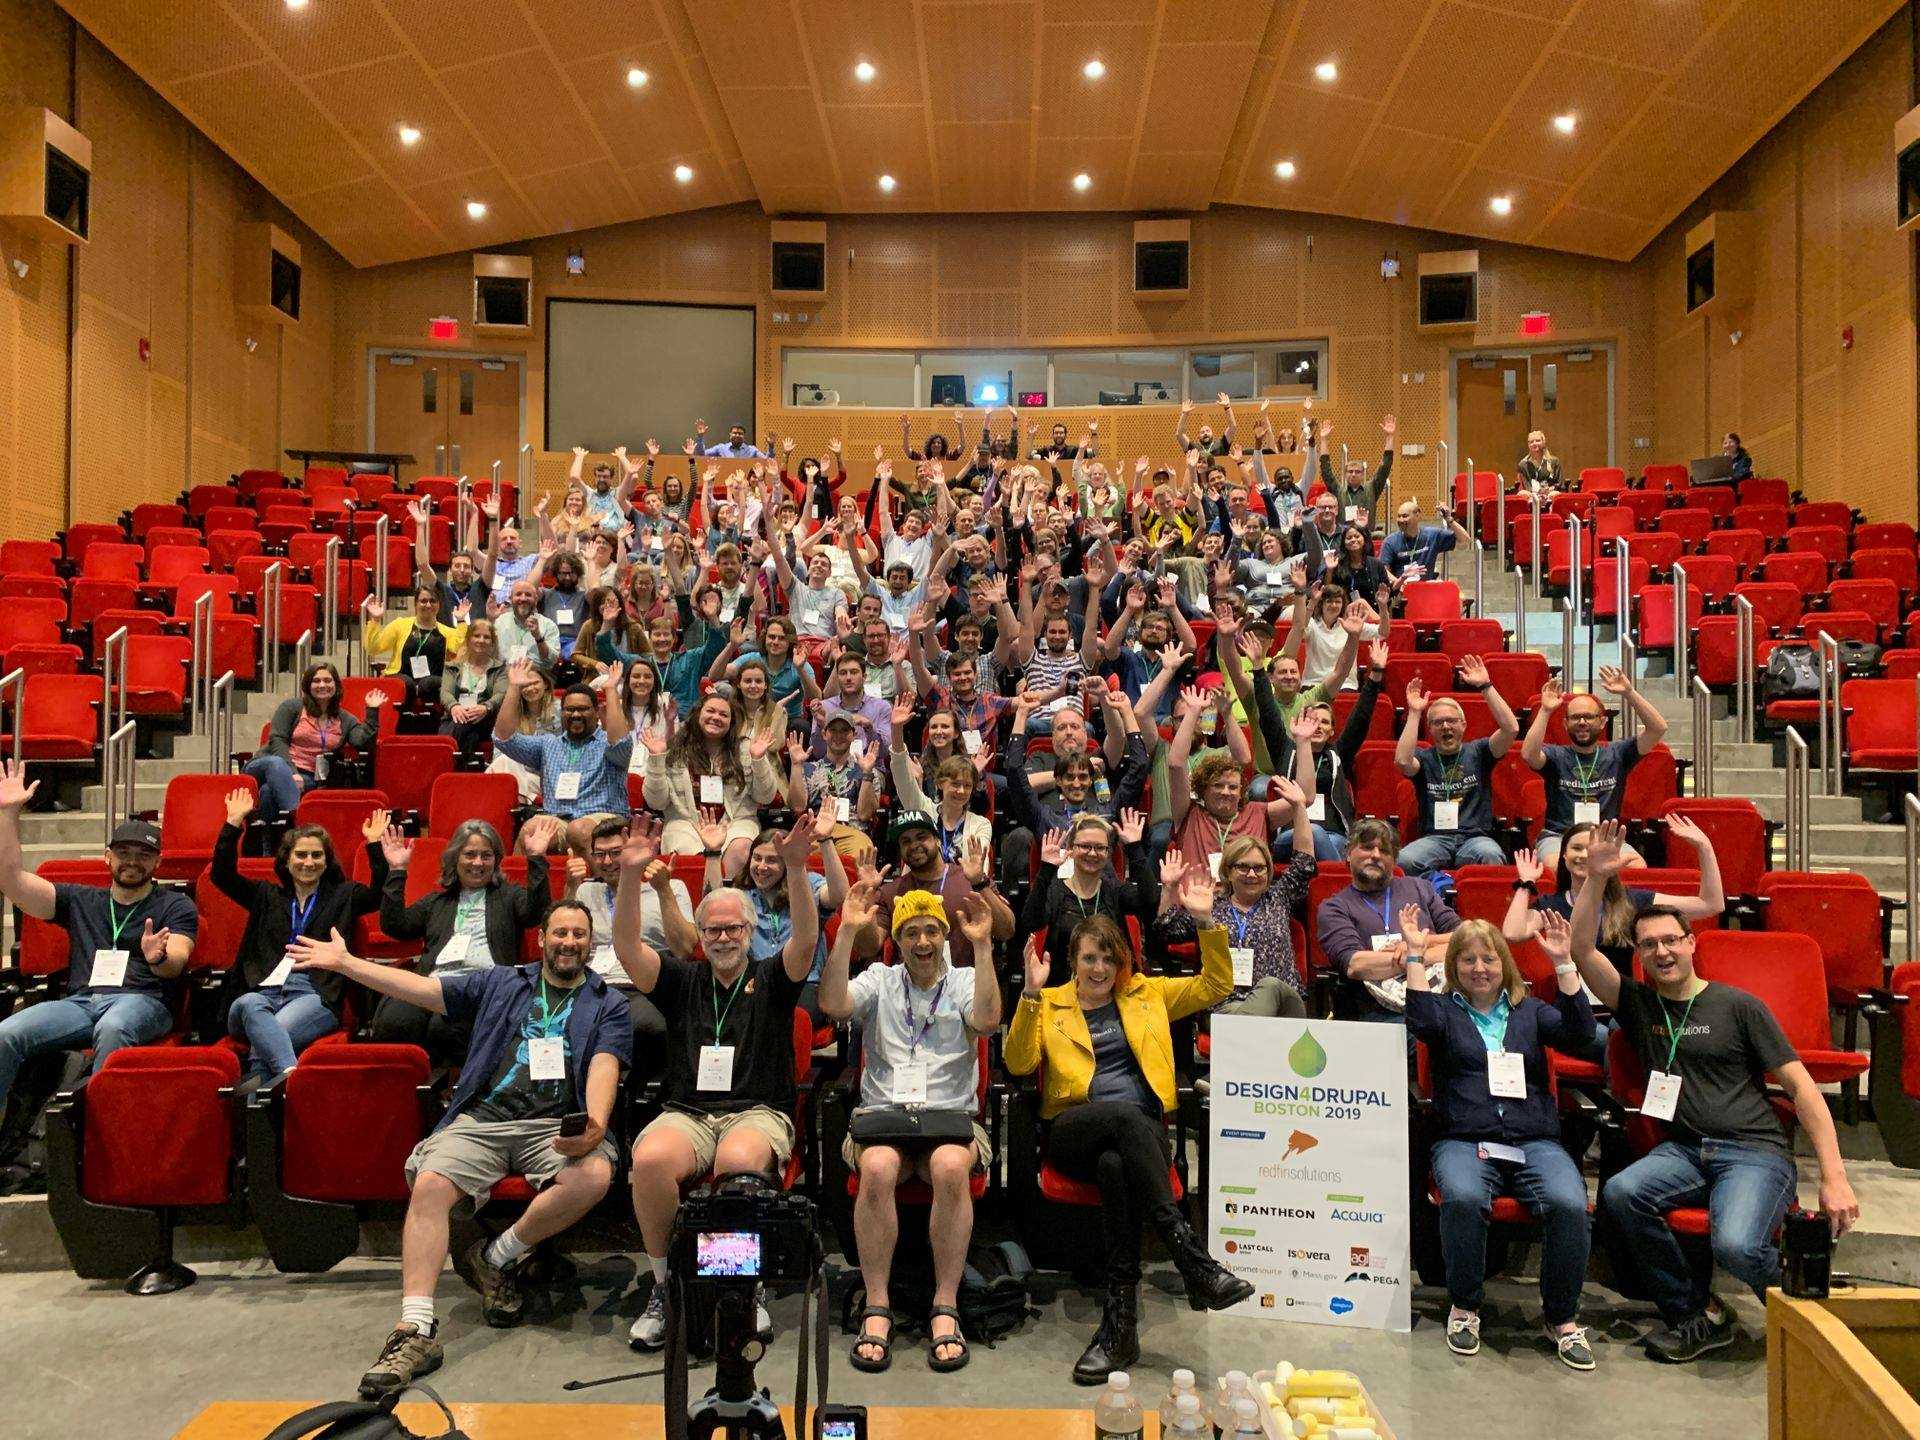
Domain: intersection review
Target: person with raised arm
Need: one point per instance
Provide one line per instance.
(1586, 780)
(305, 737)
(1205, 441)
(1707, 1049)
(1354, 493)
(712, 768)
(583, 769)
(1453, 779)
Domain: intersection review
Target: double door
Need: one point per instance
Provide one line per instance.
(1500, 397)
(456, 415)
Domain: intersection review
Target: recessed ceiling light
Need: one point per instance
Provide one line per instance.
(1564, 123)
(1284, 170)
(476, 209)
(296, 4)
(887, 182)
(636, 77)
(683, 173)
(1326, 70)
(1093, 69)
(1501, 204)
(863, 72)
(1083, 181)
(409, 135)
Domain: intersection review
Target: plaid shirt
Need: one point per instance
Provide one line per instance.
(602, 769)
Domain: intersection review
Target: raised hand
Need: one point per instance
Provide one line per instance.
(396, 847)
(797, 844)
(1387, 426)
(1355, 618)
(579, 452)
(1684, 827)
(1038, 968)
(1287, 789)
(903, 708)
(1305, 728)
(642, 846)
(153, 943)
(240, 806)
(374, 609)
(1197, 892)
(1416, 695)
(538, 834)
(654, 738)
(1053, 848)
(1173, 655)
(1606, 846)
(1552, 696)
(371, 830)
(1527, 867)
(1614, 680)
(1555, 937)
(521, 672)
(1413, 931)
(973, 863)
(1192, 702)
(1377, 653)
(1172, 867)
(375, 699)
(713, 827)
(1131, 828)
(763, 739)
(1473, 670)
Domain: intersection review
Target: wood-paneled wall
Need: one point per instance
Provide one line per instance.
(1840, 422)
(87, 427)
(1032, 280)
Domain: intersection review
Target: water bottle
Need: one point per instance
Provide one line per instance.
(1182, 1385)
(1229, 1388)
(1187, 1423)
(1246, 1418)
(1116, 1414)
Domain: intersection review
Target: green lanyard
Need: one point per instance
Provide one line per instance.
(120, 925)
(1585, 772)
(720, 1014)
(1673, 1032)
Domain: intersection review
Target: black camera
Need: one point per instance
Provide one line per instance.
(744, 1229)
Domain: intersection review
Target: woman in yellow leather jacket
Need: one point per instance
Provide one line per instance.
(1109, 1083)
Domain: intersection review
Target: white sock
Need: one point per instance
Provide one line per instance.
(506, 1248)
(417, 1311)
(659, 1270)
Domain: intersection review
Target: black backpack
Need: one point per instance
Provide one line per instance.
(1792, 673)
(995, 1295)
(361, 1420)
(1859, 660)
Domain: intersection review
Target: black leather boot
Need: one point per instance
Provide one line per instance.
(1116, 1344)
(1210, 1285)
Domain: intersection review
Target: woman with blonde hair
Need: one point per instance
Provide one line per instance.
(1540, 468)
(1487, 1039)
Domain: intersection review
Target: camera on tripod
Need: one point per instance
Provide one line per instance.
(743, 1230)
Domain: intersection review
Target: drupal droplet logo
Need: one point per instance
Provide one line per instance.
(1306, 1056)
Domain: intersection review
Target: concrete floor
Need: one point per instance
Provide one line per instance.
(98, 1362)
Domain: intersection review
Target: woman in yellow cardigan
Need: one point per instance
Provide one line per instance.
(1109, 1084)
(416, 647)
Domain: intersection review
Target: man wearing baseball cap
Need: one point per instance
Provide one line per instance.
(914, 837)
(125, 943)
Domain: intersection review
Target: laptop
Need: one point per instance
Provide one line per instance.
(1709, 469)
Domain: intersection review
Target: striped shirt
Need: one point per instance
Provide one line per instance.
(601, 769)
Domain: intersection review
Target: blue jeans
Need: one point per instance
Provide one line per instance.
(1548, 1184)
(281, 786)
(1746, 1189)
(108, 1022)
(1327, 844)
(278, 1024)
(1448, 850)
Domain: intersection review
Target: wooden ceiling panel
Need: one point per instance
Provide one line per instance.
(980, 106)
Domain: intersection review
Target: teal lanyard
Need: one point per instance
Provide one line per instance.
(1675, 1031)
(118, 924)
(719, 1013)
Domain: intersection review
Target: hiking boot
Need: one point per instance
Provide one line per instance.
(408, 1354)
(1463, 1334)
(501, 1302)
(649, 1332)
(1691, 1338)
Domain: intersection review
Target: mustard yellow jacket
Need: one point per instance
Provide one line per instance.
(1052, 1027)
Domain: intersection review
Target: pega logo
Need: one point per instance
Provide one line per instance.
(1272, 1212)
(1340, 1305)
(1362, 1277)
(1358, 1217)
(1308, 1255)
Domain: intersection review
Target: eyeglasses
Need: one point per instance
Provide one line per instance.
(1247, 867)
(1663, 942)
(606, 854)
(721, 931)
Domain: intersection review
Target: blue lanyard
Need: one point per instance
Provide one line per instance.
(302, 913)
(906, 996)
(1386, 909)
(1239, 921)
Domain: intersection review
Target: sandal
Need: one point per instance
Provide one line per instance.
(884, 1343)
(935, 1342)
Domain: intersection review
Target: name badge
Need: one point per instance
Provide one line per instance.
(656, 543)
(1384, 942)
(547, 1058)
(910, 1082)
(716, 1068)
(453, 953)
(109, 970)
(970, 741)
(1213, 864)
(1242, 957)
(1507, 1075)
(419, 667)
(1446, 814)
(713, 790)
(566, 785)
(469, 697)
(1354, 512)
(1494, 1150)
(563, 617)
(1586, 812)
(1317, 809)
(322, 763)
(872, 689)
(1064, 870)
(841, 812)
(1663, 1096)
(277, 977)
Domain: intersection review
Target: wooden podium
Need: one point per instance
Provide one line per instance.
(1848, 1366)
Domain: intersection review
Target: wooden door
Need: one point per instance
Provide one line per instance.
(1569, 390)
(484, 417)
(1493, 410)
(410, 405)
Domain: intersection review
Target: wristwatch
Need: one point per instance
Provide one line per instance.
(1526, 885)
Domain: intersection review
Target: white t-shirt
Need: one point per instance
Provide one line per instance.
(599, 902)
(917, 553)
(882, 998)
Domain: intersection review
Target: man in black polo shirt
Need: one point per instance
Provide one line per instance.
(125, 944)
(728, 1093)
(1707, 1049)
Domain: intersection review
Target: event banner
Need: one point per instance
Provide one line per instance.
(1308, 1163)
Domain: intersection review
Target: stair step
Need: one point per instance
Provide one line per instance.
(1824, 810)
(1861, 838)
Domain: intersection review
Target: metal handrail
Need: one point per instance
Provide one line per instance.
(1479, 578)
(380, 556)
(330, 599)
(1533, 545)
(1629, 663)
(1832, 733)
(462, 511)
(1622, 602)
(200, 671)
(111, 715)
(1743, 667)
(303, 652)
(1566, 643)
(1702, 738)
(1519, 611)
(1473, 503)
(1911, 811)
(1799, 802)
(117, 775)
(15, 678)
(270, 581)
(1500, 520)
(524, 465)
(1682, 640)
(220, 728)
(1577, 595)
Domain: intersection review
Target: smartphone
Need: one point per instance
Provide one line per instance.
(841, 1422)
(574, 1124)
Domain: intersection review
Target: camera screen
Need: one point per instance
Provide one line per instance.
(720, 1253)
(839, 1430)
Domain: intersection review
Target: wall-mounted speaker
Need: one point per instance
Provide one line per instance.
(1720, 263)
(1906, 151)
(1162, 258)
(46, 175)
(799, 259)
(1449, 289)
(267, 273)
(503, 293)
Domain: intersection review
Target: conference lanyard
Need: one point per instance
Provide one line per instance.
(1674, 1032)
(914, 1037)
(1240, 920)
(720, 1013)
(302, 913)
(1585, 773)
(119, 925)
(1386, 909)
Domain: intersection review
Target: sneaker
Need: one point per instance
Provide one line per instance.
(1463, 1334)
(408, 1354)
(762, 1317)
(500, 1299)
(649, 1332)
(1690, 1339)
(1575, 1351)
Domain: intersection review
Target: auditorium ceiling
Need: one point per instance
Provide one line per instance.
(404, 128)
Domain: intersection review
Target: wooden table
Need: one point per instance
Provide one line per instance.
(249, 1420)
(388, 460)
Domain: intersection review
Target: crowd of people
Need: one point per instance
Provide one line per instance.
(1006, 741)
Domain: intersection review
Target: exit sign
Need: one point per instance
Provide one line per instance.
(444, 327)
(1535, 322)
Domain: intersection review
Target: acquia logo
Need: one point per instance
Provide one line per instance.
(1340, 1305)
(1358, 1217)
(1306, 1055)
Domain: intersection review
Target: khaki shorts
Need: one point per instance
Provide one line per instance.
(704, 1132)
(476, 1155)
(982, 1149)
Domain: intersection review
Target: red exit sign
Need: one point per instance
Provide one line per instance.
(444, 327)
(1535, 322)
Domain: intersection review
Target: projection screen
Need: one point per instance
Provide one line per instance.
(619, 371)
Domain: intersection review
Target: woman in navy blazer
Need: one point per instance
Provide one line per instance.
(1488, 1038)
